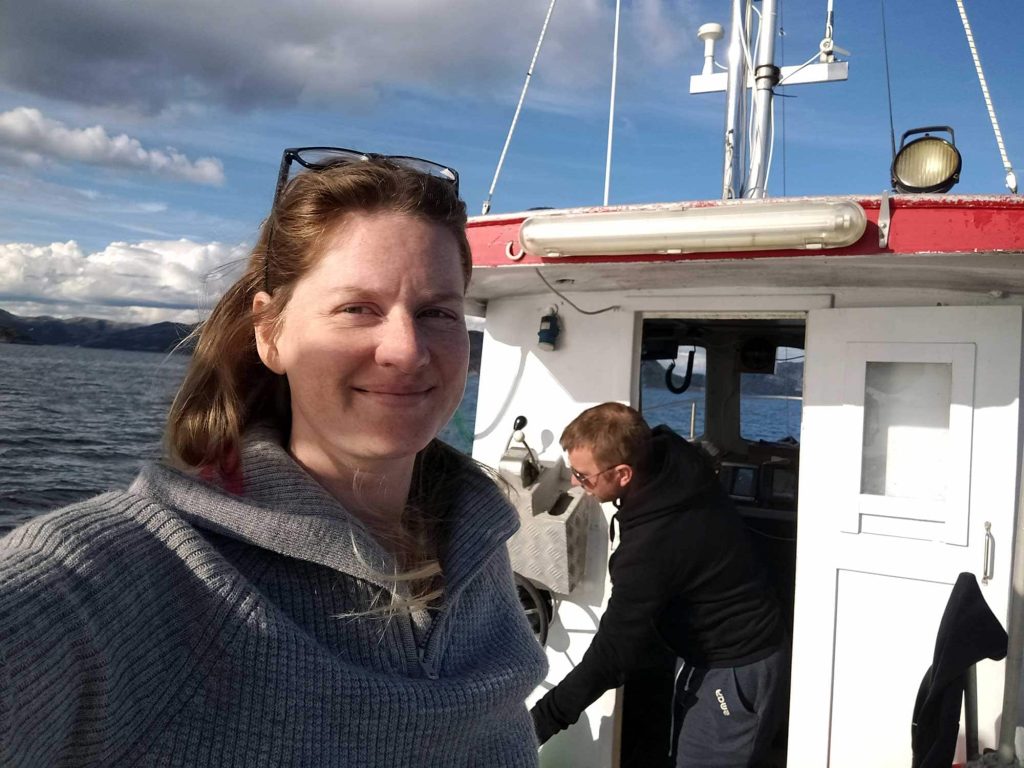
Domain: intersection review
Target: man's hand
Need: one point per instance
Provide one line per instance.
(543, 726)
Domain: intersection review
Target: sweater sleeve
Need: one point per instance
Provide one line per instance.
(50, 683)
(75, 624)
(625, 641)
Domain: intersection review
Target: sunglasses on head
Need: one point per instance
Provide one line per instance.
(322, 158)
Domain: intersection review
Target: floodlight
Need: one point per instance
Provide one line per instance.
(928, 163)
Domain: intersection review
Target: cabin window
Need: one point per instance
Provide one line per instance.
(683, 411)
(771, 402)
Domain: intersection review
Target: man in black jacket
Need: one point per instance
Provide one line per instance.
(684, 575)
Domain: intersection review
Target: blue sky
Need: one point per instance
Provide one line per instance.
(139, 142)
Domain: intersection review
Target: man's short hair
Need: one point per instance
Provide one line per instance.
(613, 432)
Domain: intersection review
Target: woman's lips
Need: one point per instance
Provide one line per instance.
(396, 396)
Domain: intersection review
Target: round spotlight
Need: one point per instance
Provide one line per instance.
(928, 163)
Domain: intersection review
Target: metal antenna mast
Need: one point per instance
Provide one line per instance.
(766, 76)
(822, 67)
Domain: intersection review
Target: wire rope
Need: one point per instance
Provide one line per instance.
(515, 118)
(782, 57)
(771, 146)
(563, 297)
(805, 64)
(748, 75)
(888, 83)
(1011, 177)
(611, 106)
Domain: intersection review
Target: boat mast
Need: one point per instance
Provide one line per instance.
(822, 67)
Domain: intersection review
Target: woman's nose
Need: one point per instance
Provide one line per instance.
(402, 345)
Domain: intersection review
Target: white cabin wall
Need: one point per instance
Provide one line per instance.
(590, 365)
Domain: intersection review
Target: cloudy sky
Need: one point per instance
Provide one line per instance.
(139, 141)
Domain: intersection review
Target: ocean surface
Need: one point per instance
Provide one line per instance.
(75, 422)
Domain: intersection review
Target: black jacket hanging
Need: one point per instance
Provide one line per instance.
(968, 633)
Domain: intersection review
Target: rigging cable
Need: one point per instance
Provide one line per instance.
(807, 63)
(741, 145)
(771, 145)
(519, 106)
(782, 57)
(888, 85)
(1011, 177)
(748, 76)
(611, 106)
(563, 297)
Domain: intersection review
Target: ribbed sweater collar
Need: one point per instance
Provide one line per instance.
(285, 510)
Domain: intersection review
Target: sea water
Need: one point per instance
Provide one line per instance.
(75, 422)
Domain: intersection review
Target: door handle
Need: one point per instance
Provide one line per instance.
(988, 571)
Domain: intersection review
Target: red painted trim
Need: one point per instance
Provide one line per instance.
(918, 224)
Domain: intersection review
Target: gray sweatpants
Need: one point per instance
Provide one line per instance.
(727, 717)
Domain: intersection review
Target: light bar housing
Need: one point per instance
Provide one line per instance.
(754, 225)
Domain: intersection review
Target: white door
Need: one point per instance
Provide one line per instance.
(909, 450)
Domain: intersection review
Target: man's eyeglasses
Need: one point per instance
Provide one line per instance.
(321, 158)
(587, 481)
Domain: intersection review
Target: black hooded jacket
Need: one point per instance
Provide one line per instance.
(968, 633)
(684, 575)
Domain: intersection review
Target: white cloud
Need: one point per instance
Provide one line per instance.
(147, 282)
(244, 54)
(154, 280)
(26, 130)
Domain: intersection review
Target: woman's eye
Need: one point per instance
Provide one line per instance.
(438, 313)
(355, 309)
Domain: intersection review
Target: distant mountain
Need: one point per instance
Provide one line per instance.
(788, 381)
(107, 334)
(160, 337)
(652, 375)
(91, 332)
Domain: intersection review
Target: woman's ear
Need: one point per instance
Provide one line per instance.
(266, 338)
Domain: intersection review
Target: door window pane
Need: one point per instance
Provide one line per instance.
(906, 430)
(771, 404)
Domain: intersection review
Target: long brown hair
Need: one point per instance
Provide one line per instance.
(227, 387)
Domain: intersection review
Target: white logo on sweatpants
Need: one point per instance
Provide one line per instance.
(721, 702)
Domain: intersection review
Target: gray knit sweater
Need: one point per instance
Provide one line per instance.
(175, 624)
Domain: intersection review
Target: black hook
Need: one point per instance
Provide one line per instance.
(686, 379)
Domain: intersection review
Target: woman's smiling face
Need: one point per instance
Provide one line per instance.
(373, 341)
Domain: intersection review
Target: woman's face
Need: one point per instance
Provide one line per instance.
(373, 342)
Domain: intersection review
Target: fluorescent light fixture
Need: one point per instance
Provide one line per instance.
(755, 225)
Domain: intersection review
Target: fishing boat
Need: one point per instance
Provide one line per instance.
(897, 318)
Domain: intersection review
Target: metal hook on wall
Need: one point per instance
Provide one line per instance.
(679, 389)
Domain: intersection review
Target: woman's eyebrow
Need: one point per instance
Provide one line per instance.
(361, 291)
